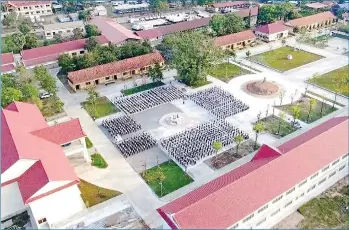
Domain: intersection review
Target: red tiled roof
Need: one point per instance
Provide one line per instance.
(234, 38)
(245, 12)
(266, 151)
(61, 133)
(27, 3)
(113, 68)
(233, 202)
(316, 5)
(51, 53)
(272, 28)
(112, 30)
(20, 143)
(316, 18)
(7, 68)
(7, 58)
(174, 28)
(228, 4)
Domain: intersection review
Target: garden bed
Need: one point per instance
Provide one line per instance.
(227, 71)
(103, 108)
(98, 161)
(173, 178)
(277, 59)
(271, 125)
(142, 88)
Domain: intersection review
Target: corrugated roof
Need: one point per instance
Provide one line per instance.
(113, 68)
(233, 202)
(316, 5)
(229, 4)
(272, 28)
(64, 25)
(234, 38)
(245, 12)
(316, 18)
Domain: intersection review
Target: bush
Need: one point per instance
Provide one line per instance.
(88, 143)
(98, 161)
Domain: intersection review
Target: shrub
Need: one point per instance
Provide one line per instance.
(98, 161)
(88, 143)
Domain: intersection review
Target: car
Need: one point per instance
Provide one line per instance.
(44, 95)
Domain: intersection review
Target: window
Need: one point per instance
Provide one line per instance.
(88, 83)
(38, 12)
(60, 32)
(332, 174)
(324, 169)
(26, 12)
(288, 203)
(73, 53)
(290, 191)
(302, 183)
(262, 209)
(82, 51)
(43, 220)
(68, 31)
(48, 11)
(274, 213)
(107, 78)
(48, 34)
(277, 199)
(302, 194)
(345, 156)
(47, 5)
(342, 167)
(53, 33)
(262, 221)
(235, 226)
(25, 7)
(124, 73)
(311, 188)
(36, 6)
(313, 176)
(322, 181)
(335, 162)
(248, 218)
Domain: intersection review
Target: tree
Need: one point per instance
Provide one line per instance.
(49, 84)
(295, 112)
(77, 33)
(273, 12)
(282, 117)
(158, 5)
(10, 19)
(29, 91)
(11, 46)
(35, 100)
(31, 41)
(84, 15)
(19, 40)
(9, 95)
(24, 76)
(217, 145)
(155, 73)
(24, 28)
(192, 54)
(227, 24)
(312, 102)
(281, 97)
(92, 30)
(341, 84)
(93, 95)
(66, 63)
(91, 43)
(58, 104)
(257, 128)
(248, 54)
(238, 139)
(58, 38)
(8, 80)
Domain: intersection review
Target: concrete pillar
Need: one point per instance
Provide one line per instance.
(85, 153)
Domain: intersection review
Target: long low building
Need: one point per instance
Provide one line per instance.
(48, 55)
(64, 29)
(111, 72)
(274, 184)
(236, 41)
(8, 64)
(272, 32)
(313, 21)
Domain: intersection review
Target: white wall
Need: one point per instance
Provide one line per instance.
(58, 206)
(270, 37)
(11, 200)
(50, 186)
(16, 169)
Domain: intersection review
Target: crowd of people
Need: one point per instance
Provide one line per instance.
(191, 145)
(136, 144)
(122, 125)
(147, 99)
(219, 102)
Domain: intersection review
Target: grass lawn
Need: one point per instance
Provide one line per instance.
(271, 125)
(98, 161)
(175, 178)
(326, 212)
(103, 108)
(277, 58)
(49, 109)
(227, 71)
(92, 194)
(142, 88)
(303, 103)
(327, 80)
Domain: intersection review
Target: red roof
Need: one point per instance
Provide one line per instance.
(51, 53)
(316, 5)
(234, 38)
(7, 68)
(229, 4)
(113, 68)
(245, 12)
(112, 30)
(7, 58)
(174, 28)
(19, 142)
(222, 208)
(266, 151)
(28, 3)
(273, 28)
(309, 20)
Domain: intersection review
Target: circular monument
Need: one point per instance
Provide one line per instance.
(174, 120)
(263, 87)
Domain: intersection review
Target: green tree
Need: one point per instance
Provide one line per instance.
(258, 128)
(29, 91)
(92, 30)
(58, 38)
(227, 24)
(91, 43)
(155, 73)
(295, 112)
(58, 104)
(238, 139)
(93, 95)
(217, 145)
(19, 40)
(105, 54)
(11, 46)
(77, 33)
(84, 15)
(66, 63)
(312, 102)
(35, 100)
(24, 76)
(192, 54)
(10, 19)
(8, 80)
(24, 28)
(49, 84)
(267, 14)
(31, 41)
(9, 95)
(86, 61)
(282, 117)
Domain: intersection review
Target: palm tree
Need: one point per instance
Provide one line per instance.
(258, 128)
(238, 140)
(312, 102)
(217, 145)
(92, 98)
(282, 117)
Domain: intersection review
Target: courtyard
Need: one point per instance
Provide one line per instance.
(277, 58)
(227, 71)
